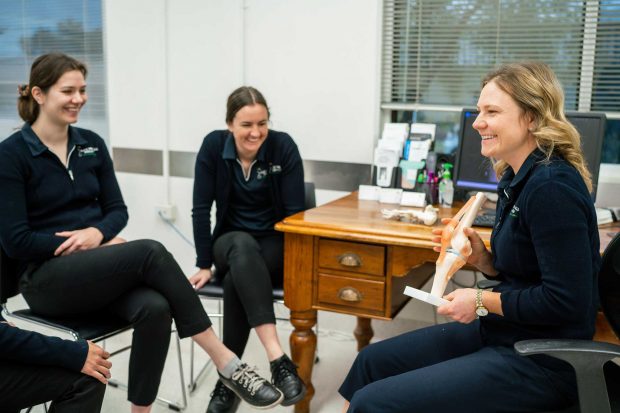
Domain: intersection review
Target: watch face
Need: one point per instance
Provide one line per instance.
(481, 311)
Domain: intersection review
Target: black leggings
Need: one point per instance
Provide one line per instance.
(251, 266)
(140, 282)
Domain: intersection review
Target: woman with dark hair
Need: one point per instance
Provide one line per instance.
(255, 176)
(545, 254)
(61, 212)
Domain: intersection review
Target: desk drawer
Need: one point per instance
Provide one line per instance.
(354, 293)
(352, 257)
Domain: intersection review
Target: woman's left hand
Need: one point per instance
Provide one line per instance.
(462, 305)
(79, 240)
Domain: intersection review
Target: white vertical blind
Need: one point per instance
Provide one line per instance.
(435, 52)
(29, 28)
(606, 79)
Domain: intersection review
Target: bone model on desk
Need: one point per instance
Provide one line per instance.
(427, 217)
(455, 249)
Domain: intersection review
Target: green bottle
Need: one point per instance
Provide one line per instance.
(446, 187)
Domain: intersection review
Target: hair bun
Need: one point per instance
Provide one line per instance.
(23, 90)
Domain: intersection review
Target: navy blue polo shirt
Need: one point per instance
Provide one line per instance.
(250, 204)
(546, 249)
(31, 348)
(40, 196)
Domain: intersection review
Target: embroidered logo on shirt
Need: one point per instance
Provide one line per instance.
(275, 169)
(260, 173)
(514, 212)
(88, 151)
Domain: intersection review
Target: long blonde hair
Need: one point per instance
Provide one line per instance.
(538, 92)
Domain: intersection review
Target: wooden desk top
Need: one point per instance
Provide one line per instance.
(358, 220)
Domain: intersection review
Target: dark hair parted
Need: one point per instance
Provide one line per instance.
(44, 73)
(243, 96)
(538, 92)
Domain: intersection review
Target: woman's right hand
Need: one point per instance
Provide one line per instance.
(97, 364)
(480, 257)
(200, 278)
(79, 240)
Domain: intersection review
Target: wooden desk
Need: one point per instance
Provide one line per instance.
(344, 257)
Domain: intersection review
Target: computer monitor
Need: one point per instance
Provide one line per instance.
(474, 172)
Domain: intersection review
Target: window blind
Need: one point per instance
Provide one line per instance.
(606, 72)
(29, 28)
(435, 52)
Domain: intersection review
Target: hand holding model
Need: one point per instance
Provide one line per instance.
(454, 252)
(455, 245)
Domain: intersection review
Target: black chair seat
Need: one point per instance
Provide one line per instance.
(91, 327)
(278, 294)
(612, 378)
(215, 289)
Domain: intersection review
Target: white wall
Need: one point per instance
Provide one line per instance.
(317, 64)
(133, 40)
(171, 65)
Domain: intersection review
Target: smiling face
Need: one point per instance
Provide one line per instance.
(503, 127)
(62, 102)
(249, 127)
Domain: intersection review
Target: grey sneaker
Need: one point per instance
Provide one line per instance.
(252, 388)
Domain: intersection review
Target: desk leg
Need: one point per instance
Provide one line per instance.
(303, 349)
(363, 332)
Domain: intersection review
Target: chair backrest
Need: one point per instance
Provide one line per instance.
(310, 197)
(8, 281)
(609, 284)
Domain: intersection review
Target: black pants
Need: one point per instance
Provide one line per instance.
(251, 267)
(23, 385)
(447, 368)
(139, 281)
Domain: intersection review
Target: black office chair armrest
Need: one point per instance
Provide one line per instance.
(607, 351)
(587, 358)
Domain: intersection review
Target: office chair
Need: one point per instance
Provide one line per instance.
(214, 290)
(96, 327)
(598, 379)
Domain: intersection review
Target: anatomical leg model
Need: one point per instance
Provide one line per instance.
(455, 249)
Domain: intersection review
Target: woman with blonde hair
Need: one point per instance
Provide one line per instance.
(546, 290)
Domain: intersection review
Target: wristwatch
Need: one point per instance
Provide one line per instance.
(481, 310)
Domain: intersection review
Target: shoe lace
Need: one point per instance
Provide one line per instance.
(221, 391)
(248, 378)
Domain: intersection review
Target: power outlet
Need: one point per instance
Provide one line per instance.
(167, 212)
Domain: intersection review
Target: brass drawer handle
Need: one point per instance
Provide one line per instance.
(350, 259)
(350, 294)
